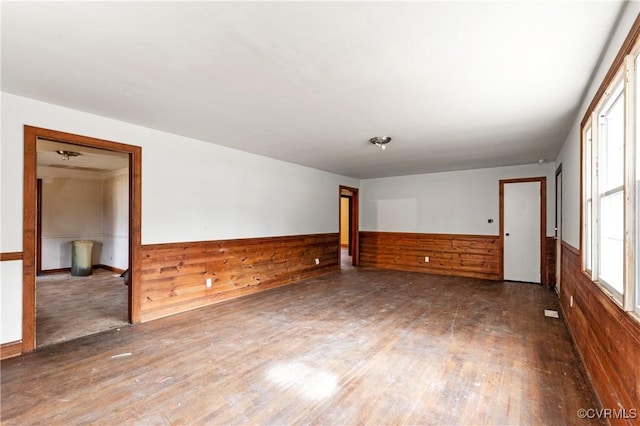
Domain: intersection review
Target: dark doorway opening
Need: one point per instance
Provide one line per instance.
(348, 225)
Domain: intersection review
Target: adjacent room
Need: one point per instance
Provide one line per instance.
(82, 197)
(320, 212)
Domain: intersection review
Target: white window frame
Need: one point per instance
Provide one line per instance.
(616, 88)
(625, 67)
(587, 198)
(631, 302)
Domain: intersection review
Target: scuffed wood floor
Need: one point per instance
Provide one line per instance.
(363, 346)
(69, 307)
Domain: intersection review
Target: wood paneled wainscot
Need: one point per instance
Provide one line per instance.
(173, 277)
(550, 261)
(607, 338)
(449, 254)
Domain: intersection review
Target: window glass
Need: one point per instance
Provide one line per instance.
(612, 144)
(610, 175)
(587, 236)
(611, 265)
(587, 160)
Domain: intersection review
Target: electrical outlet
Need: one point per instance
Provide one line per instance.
(317, 261)
(426, 258)
(571, 301)
(208, 283)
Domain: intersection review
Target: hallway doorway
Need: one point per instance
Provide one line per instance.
(348, 226)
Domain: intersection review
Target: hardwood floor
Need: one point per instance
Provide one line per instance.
(362, 346)
(69, 307)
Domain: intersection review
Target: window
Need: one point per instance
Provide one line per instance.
(611, 185)
(610, 176)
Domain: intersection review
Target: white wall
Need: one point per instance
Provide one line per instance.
(569, 155)
(71, 210)
(220, 193)
(84, 205)
(191, 190)
(11, 300)
(459, 202)
(115, 227)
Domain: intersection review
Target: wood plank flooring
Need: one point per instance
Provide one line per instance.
(363, 346)
(69, 307)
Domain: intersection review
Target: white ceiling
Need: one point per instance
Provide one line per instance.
(89, 159)
(457, 85)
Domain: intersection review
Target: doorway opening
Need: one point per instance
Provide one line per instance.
(348, 225)
(81, 196)
(523, 229)
(82, 208)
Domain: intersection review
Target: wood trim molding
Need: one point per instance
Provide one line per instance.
(558, 220)
(173, 276)
(111, 268)
(38, 226)
(31, 136)
(449, 254)
(10, 349)
(185, 245)
(12, 255)
(29, 240)
(581, 196)
(625, 49)
(543, 223)
(55, 271)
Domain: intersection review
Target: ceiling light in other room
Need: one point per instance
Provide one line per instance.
(67, 154)
(380, 141)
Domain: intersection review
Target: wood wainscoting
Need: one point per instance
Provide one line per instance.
(550, 261)
(173, 276)
(475, 256)
(606, 337)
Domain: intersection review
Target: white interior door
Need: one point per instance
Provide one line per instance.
(522, 231)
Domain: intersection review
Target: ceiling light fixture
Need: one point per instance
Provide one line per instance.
(67, 154)
(380, 141)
